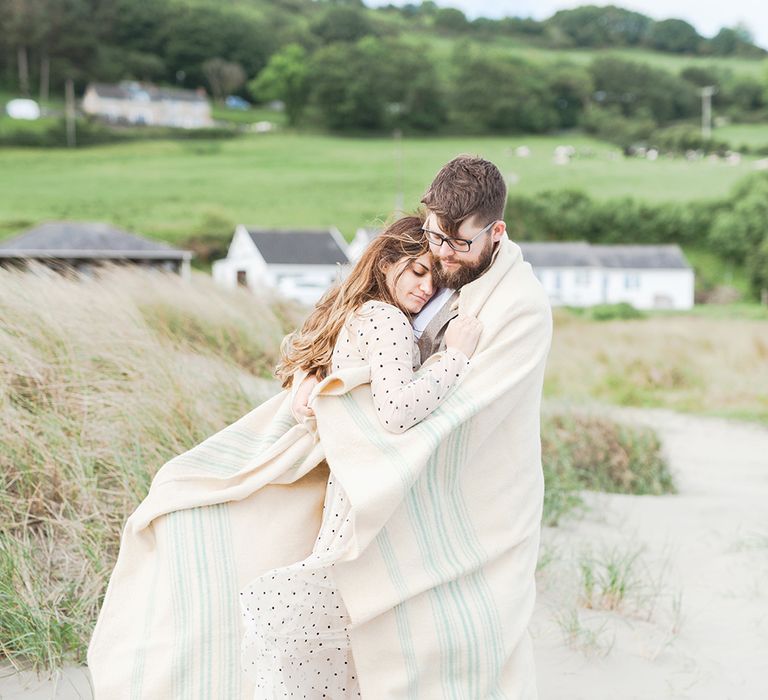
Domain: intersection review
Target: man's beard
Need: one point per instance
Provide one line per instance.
(464, 272)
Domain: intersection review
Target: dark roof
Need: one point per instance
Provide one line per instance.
(131, 90)
(582, 254)
(559, 254)
(641, 256)
(85, 239)
(313, 247)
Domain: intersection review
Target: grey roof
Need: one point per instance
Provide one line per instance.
(558, 254)
(85, 239)
(131, 90)
(641, 256)
(583, 254)
(308, 247)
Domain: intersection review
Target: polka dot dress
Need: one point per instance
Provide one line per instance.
(296, 642)
(380, 335)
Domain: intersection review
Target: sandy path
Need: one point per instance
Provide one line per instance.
(694, 621)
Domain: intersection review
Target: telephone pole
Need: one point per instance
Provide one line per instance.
(69, 93)
(706, 110)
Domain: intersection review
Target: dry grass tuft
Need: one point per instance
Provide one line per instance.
(583, 451)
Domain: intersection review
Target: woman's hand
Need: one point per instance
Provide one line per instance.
(299, 407)
(463, 333)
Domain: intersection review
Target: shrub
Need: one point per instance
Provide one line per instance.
(610, 312)
(582, 451)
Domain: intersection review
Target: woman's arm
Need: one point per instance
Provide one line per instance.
(385, 338)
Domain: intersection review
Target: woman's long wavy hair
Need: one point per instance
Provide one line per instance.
(311, 347)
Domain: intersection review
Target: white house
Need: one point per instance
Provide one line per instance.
(140, 103)
(363, 236)
(580, 274)
(300, 264)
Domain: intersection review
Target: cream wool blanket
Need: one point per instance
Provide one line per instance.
(438, 577)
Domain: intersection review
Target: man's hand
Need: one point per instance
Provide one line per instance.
(299, 408)
(463, 333)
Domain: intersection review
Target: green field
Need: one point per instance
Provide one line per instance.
(175, 189)
(741, 135)
(442, 48)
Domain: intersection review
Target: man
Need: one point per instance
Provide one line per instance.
(440, 585)
(464, 223)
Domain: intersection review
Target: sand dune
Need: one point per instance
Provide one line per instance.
(694, 619)
(679, 592)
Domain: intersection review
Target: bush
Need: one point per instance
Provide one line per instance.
(610, 312)
(685, 137)
(581, 451)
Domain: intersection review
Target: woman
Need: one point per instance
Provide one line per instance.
(296, 642)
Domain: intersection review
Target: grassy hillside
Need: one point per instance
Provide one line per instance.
(442, 48)
(175, 190)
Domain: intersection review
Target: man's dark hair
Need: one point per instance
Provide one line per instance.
(466, 186)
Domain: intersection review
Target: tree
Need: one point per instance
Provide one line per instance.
(223, 77)
(501, 95)
(23, 23)
(598, 26)
(286, 78)
(449, 19)
(637, 90)
(675, 36)
(413, 95)
(340, 23)
(376, 84)
(570, 87)
(344, 88)
(738, 231)
(194, 34)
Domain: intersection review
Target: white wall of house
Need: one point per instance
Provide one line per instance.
(649, 289)
(573, 286)
(142, 110)
(643, 288)
(303, 283)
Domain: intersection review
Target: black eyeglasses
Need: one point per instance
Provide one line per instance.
(460, 245)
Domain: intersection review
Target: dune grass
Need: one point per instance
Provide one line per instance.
(101, 382)
(698, 363)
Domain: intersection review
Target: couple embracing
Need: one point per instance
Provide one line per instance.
(371, 531)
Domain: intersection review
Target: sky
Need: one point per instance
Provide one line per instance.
(707, 17)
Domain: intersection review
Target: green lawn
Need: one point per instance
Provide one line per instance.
(740, 135)
(174, 189)
(247, 116)
(443, 47)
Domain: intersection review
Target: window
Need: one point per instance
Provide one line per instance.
(581, 278)
(631, 281)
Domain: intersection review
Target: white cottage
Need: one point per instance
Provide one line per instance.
(645, 276)
(140, 103)
(300, 264)
(363, 236)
